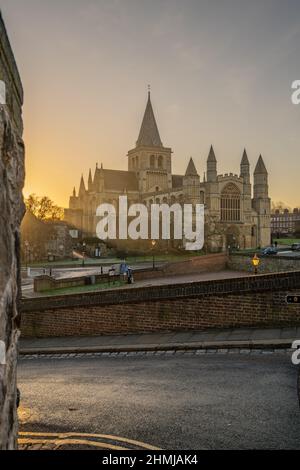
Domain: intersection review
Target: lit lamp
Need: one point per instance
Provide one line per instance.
(153, 243)
(255, 262)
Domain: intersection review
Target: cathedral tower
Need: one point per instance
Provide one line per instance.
(150, 160)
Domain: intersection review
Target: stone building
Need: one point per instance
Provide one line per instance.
(234, 216)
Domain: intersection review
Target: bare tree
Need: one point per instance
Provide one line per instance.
(43, 208)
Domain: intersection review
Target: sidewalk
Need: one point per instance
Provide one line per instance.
(250, 338)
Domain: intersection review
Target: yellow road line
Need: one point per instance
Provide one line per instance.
(63, 442)
(100, 436)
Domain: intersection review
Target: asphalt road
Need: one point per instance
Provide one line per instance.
(211, 401)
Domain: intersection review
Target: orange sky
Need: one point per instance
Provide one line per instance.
(220, 72)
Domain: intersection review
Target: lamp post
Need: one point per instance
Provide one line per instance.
(255, 262)
(26, 253)
(153, 243)
(83, 253)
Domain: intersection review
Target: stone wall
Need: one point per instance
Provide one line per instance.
(11, 213)
(10, 75)
(258, 301)
(268, 264)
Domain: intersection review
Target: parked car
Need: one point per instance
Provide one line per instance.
(295, 247)
(270, 250)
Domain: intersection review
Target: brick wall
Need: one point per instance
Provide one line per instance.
(249, 301)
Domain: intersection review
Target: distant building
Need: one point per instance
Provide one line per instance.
(43, 239)
(284, 222)
(234, 216)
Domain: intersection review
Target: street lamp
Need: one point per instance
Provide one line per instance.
(255, 262)
(83, 253)
(153, 243)
(26, 253)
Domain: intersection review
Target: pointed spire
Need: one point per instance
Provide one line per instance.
(90, 181)
(74, 192)
(149, 135)
(260, 166)
(245, 160)
(191, 169)
(82, 186)
(211, 155)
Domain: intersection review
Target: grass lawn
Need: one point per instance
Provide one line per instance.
(76, 263)
(162, 257)
(287, 241)
(82, 289)
(130, 259)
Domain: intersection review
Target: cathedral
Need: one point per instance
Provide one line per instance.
(235, 217)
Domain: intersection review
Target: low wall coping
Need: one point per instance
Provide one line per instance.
(258, 283)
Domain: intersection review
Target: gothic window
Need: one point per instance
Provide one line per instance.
(160, 162)
(231, 204)
(152, 161)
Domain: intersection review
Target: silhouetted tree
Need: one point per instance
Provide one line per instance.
(43, 208)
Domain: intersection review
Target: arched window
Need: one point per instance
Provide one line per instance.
(160, 162)
(152, 161)
(231, 204)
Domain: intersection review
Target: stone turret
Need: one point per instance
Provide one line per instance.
(245, 168)
(261, 188)
(211, 166)
(90, 181)
(261, 203)
(82, 189)
(191, 183)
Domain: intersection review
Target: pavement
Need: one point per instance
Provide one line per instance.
(166, 400)
(249, 338)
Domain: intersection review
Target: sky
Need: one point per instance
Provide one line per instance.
(220, 72)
